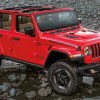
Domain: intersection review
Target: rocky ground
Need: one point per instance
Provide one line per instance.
(17, 83)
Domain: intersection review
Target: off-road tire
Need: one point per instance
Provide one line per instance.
(66, 66)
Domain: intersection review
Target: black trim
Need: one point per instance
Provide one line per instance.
(31, 8)
(24, 62)
(17, 8)
(51, 53)
(82, 70)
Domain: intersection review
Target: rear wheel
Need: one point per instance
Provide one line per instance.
(63, 78)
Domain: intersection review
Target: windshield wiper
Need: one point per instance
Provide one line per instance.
(57, 31)
(64, 30)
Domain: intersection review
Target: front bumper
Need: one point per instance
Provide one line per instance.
(89, 70)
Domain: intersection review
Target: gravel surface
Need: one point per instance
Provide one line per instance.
(87, 10)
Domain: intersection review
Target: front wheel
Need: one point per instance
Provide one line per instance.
(62, 78)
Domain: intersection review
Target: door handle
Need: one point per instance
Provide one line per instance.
(1, 35)
(16, 38)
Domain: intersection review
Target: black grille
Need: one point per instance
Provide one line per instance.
(95, 50)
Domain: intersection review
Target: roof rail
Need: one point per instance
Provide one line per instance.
(18, 8)
(35, 8)
(38, 8)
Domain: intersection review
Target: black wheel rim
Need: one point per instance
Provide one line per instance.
(62, 78)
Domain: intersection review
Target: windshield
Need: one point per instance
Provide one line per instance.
(56, 20)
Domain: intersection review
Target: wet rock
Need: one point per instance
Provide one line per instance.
(76, 99)
(22, 77)
(49, 90)
(3, 72)
(7, 84)
(89, 91)
(5, 95)
(95, 90)
(44, 84)
(39, 77)
(31, 78)
(59, 98)
(44, 79)
(10, 99)
(23, 67)
(30, 94)
(42, 92)
(12, 66)
(88, 80)
(17, 78)
(15, 85)
(19, 92)
(46, 74)
(12, 92)
(54, 94)
(12, 77)
(45, 92)
(3, 87)
(93, 98)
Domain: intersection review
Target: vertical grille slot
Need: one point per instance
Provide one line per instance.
(92, 51)
(97, 46)
(95, 50)
(99, 49)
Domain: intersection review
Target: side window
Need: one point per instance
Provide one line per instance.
(22, 23)
(5, 21)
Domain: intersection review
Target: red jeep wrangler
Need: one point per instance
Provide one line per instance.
(50, 38)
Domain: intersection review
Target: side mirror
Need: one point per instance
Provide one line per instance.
(29, 31)
(80, 21)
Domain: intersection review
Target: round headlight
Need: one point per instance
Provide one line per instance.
(87, 51)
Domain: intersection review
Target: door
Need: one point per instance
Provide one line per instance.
(24, 46)
(5, 33)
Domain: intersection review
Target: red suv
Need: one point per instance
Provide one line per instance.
(51, 38)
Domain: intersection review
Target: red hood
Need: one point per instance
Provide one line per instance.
(87, 35)
(77, 37)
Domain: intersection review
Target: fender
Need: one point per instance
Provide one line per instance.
(66, 51)
(1, 49)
